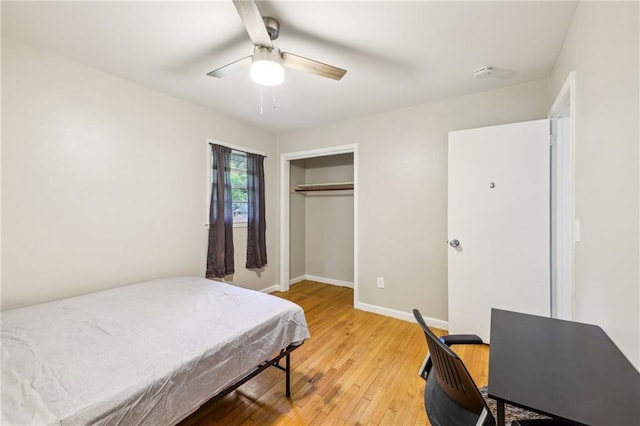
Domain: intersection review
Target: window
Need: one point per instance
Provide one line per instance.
(236, 176)
(239, 195)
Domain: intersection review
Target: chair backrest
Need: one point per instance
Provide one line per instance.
(451, 397)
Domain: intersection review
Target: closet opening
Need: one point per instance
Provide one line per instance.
(319, 226)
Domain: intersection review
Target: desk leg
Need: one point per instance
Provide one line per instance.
(500, 409)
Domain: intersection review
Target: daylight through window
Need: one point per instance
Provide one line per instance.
(239, 186)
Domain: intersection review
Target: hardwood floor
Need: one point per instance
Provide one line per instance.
(357, 368)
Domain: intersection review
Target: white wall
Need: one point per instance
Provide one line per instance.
(602, 47)
(104, 181)
(403, 188)
(329, 220)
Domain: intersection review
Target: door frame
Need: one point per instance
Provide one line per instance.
(285, 168)
(564, 226)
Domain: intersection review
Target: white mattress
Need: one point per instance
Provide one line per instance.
(149, 353)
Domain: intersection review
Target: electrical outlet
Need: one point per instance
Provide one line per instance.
(380, 282)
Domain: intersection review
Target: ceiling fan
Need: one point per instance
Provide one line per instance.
(267, 60)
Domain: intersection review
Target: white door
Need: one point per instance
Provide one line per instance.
(498, 212)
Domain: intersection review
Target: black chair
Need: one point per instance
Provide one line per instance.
(451, 397)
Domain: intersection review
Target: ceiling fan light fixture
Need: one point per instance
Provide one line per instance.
(266, 67)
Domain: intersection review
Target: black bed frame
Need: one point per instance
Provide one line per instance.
(274, 362)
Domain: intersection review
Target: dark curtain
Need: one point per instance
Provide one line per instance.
(256, 225)
(220, 251)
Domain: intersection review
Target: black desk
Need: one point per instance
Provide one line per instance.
(566, 370)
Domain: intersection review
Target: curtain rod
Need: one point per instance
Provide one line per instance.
(236, 147)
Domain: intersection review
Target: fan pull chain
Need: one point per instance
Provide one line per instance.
(261, 100)
(274, 103)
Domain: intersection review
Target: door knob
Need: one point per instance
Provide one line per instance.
(454, 243)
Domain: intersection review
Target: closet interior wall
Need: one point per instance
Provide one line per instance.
(321, 222)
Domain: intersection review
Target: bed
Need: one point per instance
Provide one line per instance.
(149, 353)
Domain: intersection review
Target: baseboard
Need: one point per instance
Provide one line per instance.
(320, 280)
(328, 281)
(406, 316)
(271, 289)
(297, 280)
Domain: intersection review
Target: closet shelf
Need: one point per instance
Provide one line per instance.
(309, 187)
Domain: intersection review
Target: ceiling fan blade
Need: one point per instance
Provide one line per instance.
(230, 68)
(253, 23)
(296, 62)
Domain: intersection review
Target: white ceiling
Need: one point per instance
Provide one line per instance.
(397, 53)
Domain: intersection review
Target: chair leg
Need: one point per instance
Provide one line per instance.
(483, 417)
